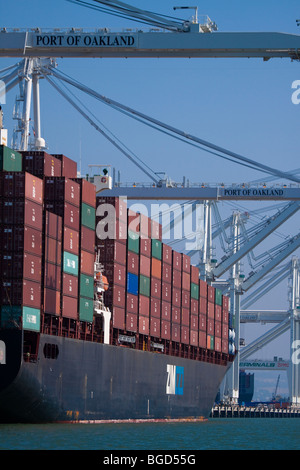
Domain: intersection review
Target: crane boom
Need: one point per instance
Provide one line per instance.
(195, 43)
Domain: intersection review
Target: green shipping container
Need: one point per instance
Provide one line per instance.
(11, 316)
(86, 286)
(86, 309)
(218, 297)
(70, 263)
(31, 319)
(194, 291)
(10, 160)
(210, 342)
(133, 242)
(144, 288)
(156, 248)
(88, 216)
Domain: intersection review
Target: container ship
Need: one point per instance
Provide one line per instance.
(97, 327)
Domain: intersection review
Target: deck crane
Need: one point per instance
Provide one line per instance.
(176, 38)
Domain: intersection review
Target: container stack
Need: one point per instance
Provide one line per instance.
(52, 263)
(154, 292)
(21, 254)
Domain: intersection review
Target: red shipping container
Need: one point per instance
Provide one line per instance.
(166, 310)
(34, 188)
(218, 329)
(70, 285)
(119, 204)
(69, 307)
(144, 325)
(156, 230)
(185, 334)
(87, 263)
(71, 216)
(218, 313)
(177, 260)
(145, 266)
(194, 275)
(22, 185)
(186, 263)
(224, 346)
(176, 314)
(224, 331)
(176, 276)
(64, 189)
(225, 302)
(194, 338)
(53, 225)
(203, 288)
(155, 305)
(156, 268)
(185, 316)
(68, 166)
(145, 247)
(217, 344)
(156, 288)
(225, 316)
(31, 294)
(167, 254)
(52, 276)
(118, 317)
(52, 251)
(32, 269)
(51, 301)
(131, 322)
(114, 250)
(166, 291)
(202, 305)
(132, 303)
(40, 164)
(133, 221)
(33, 215)
(165, 329)
(210, 310)
(71, 241)
(155, 327)
(167, 273)
(87, 239)
(210, 293)
(87, 191)
(176, 297)
(115, 273)
(115, 296)
(202, 339)
(32, 241)
(144, 306)
(185, 299)
(132, 262)
(176, 332)
(210, 326)
(186, 281)
(145, 226)
(194, 306)
(202, 321)
(194, 322)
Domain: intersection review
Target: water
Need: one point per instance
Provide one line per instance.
(214, 434)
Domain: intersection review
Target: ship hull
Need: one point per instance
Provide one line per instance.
(86, 381)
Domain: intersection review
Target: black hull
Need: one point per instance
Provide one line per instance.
(92, 381)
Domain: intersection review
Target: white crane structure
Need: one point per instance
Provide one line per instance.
(38, 50)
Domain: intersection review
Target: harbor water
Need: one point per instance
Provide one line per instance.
(213, 434)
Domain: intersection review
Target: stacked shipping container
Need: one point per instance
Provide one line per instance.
(154, 291)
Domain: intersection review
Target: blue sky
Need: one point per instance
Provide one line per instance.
(241, 104)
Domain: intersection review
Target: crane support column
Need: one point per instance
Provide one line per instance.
(295, 334)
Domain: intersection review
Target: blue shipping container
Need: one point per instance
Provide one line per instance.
(132, 283)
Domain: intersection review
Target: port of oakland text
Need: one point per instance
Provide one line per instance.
(253, 192)
(87, 40)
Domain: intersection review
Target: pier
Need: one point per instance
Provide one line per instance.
(257, 411)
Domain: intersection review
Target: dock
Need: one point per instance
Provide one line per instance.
(240, 411)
